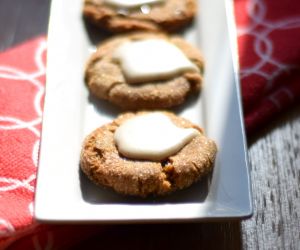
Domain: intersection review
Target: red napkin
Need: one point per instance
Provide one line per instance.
(268, 38)
(269, 51)
(22, 79)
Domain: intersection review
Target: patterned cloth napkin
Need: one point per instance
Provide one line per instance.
(269, 50)
(269, 55)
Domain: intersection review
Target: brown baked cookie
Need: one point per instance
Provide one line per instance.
(105, 166)
(105, 78)
(170, 15)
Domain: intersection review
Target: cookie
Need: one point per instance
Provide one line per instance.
(168, 15)
(106, 80)
(103, 163)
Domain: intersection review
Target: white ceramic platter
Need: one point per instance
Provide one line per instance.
(64, 194)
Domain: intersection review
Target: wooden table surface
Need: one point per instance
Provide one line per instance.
(274, 165)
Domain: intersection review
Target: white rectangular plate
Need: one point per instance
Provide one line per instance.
(65, 195)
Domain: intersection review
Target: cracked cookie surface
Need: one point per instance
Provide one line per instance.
(103, 164)
(105, 79)
(169, 16)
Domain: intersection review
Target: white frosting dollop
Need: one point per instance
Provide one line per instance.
(151, 137)
(131, 3)
(151, 60)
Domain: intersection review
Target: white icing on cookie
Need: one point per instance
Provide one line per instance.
(151, 60)
(151, 137)
(131, 3)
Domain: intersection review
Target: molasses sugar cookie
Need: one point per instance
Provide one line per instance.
(144, 71)
(133, 15)
(147, 153)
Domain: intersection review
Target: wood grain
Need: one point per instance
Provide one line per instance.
(275, 173)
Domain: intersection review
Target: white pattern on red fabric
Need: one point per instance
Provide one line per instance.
(269, 54)
(12, 184)
(15, 74)
(5, 228)
(263, 44)
(289, 93)
(23, 177)
(12, 123)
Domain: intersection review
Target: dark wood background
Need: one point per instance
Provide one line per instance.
(275, 173)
